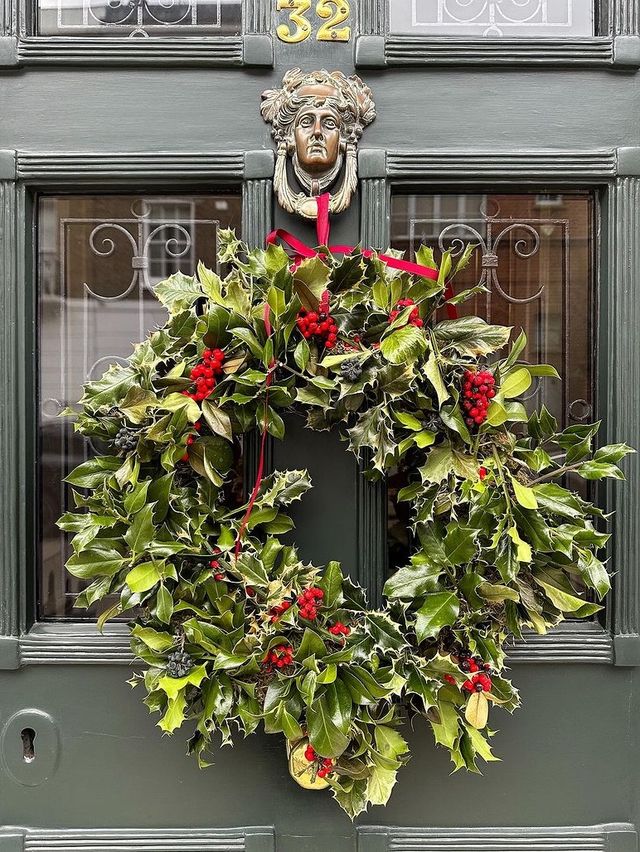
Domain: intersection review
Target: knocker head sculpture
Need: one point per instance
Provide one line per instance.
(317, 119)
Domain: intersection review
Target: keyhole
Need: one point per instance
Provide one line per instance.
(28, 736)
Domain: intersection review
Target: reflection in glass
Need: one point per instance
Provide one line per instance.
(98, 260)
(492, 18)
(535, 255)
(139, 18)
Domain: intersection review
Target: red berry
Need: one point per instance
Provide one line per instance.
(250, 591)
(468, 686)
(482, 472)
(450, 679)
(185, 457)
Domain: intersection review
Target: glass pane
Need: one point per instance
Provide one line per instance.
(139, 18)
(98, 259)
(492, 18)
(536, 257)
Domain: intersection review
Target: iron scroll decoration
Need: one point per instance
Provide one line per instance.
(317, 119)
(234, 628)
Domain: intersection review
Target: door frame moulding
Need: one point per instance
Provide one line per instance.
(23, 640)
(609, 837)
(617, 48)
(242, 839)
(21, 46)
(615, 174)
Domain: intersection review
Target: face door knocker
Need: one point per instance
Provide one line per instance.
(316, 120)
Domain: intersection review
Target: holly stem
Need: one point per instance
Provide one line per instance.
(291, 370)
(553, 474)
(503, 481)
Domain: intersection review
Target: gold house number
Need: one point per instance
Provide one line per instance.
(333, 12)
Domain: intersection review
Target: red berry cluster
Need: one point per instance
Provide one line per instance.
(477, 390)
(309, 601)
(204, 374)
(480, 682)
(414, 316)
(276, 611)
(339, 629)
(191, 440)
(278, 657)
(218, 575)
(319, 323)
(325, 763)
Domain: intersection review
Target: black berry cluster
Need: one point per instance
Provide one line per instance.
(179, 664)
(351, 370)
(478, 389)
(126, 440)
(319, 324)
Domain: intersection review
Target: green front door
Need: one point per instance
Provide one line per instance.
(130, 134)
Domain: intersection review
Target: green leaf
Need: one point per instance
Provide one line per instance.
(152, 638)
(178, 292)
(135, 500)
(439, 610)
(385, 632)
(276, 300)
(566, 602)
(460, 544)
(310, 281)
(525, 496)
(144, 577)
(141, 532)
(408, 420)
(516, 383)
(599, 470)
(523, 549)
(471, 336)
(324, 735)
(410, 583)
(612, 453)
(439, 464)
(331, 584)
(302, 354)
(404, 345)
(164, 605)
(432, 372)
(217, 419)
(174, 716)
(95, 563)
(310, 646)
(594, 573)
(172, 686)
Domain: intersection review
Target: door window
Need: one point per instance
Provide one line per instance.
(536, 258)
(99, 258)
(139, 18)
(492, 18)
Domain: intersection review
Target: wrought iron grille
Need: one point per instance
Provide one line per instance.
(493, 18)
(139, 18)
(536, 258)
(99, 259)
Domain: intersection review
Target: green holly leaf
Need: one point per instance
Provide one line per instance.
(141, 532)
(404, 345)
(144, 577)
(324, 735)
(471, 336)
(460, 544)
(439, 610)
(178, 292)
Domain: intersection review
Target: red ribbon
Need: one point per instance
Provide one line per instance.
(302, 252)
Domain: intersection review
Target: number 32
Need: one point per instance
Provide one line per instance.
(337, 11)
